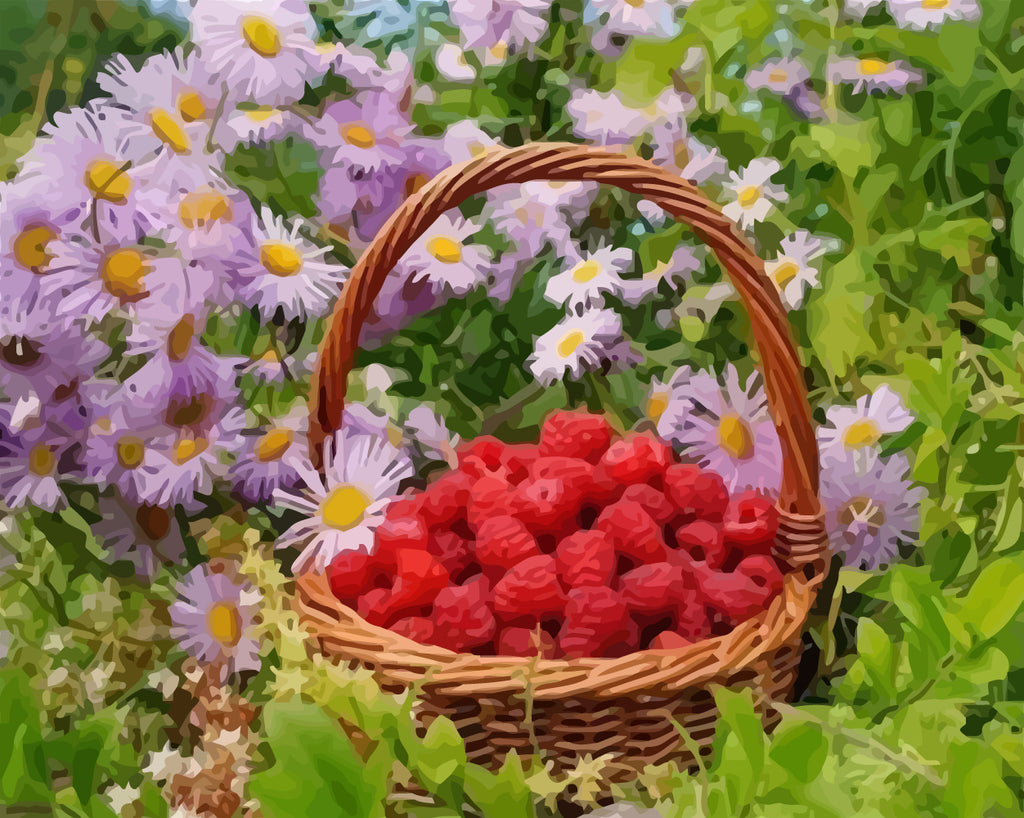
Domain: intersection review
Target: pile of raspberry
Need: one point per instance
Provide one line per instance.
(584, 544)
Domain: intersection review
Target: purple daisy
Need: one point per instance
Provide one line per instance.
(661, 395)
(271, 458)
(654, 19)
(33, 462)
(442, 257)
(255, 126)
(781, 77)
(604, 118)
(148, 536)
(868, 513)
(214, 618)
(854, 431)
(922, 14)
(465, 140)
(500, 27)
(529, 222)
(259, 49)
(872, 74)
(282, 271)
(363, 137)
(726, 426)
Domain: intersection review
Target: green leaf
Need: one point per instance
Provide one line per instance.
(504, 794)
(995, 598)
(875, 648)
(443, 753)
(741, 753)
(849, 145)
(800, 749)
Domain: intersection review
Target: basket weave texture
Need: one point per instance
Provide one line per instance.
(626, 708)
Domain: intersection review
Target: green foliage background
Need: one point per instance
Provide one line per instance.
(917, 703)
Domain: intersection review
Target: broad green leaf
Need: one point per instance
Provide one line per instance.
(850, 145)
(504, 794)
(799, 748)
(741, 753)
(995, 598)
(875, 648)
(443, 752)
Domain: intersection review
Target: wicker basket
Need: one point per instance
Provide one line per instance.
(567, 709)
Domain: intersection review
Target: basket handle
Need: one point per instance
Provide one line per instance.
(783, 373)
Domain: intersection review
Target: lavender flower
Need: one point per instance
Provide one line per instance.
(271, 458)
(680, 267)
(500, 27)
(450, 61)
(214, 619)
(431, 435)
(780, 77)
(607, 18)
(854, 431)
(147, 536)
(922, 14)
(255, 126)
(869, 513)
(363, 137)
(792, 272)
(726, 426)
(31, 464)
(442, 257)
(871, 74)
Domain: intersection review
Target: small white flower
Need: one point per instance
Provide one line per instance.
(465, 140)
(792, 272)
(253, 126)
(451, 64)
(589, 278)
(361, 477)
(856, 430)
(442, 257)
(577, 343)
(922, 14)
(753, 193)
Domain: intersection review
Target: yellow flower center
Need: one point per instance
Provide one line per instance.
(191, 106)
(41, 461)
(784, 273)
(585, 271)
(202, 207)
(748, 196)
(681, 153)
(225, 624)
(170, 131)
(734, 436)
(777, 75)
(108, 181)
(344, 507)
(934, 5)
(30, 247)
(569, 342)
(154, 521)
(179, 339)
(358, 135)
(261, 35)
(280, 258)
(394, 435)
(871, 67)
(187, 448)
(637, 4)
(445, 249)
(130, 451)
(124, 273)
(657, 403)
(499, 50)
(861, 433)
(273, 444)
(262, 114)
(477, 149)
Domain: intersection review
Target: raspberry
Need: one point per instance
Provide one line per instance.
(654, 502)
(696, 492)
(454, 552)
(530, 589)
(547, 504)
(703, 541)
(515, 641)
(502, 542)
(373, 606)
(462, 621)
(480, 455)
(518, 460)
(419, 578)
(597, 623)
(396, 533)
(417, 628)
(734, 596)
(633, 532)
(575, 434)
(351, 573)
(489, 497)
(658, 587)
(692, 621)
(585, 558)
(406, 506)
(444, 501)
(750, 524)
(669, 640)
(634, 459)
(762, 571)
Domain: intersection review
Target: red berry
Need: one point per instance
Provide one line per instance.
(633, 532)
(585, 558)
(696, 492)
(516, 641)
(762, 571)
(518, 460)
(734, 596)
(548, 504)
(373, 606)
(657, 587)
(396, 533)
(481, 453)
(462, 620)
(751, 522)
(634, 459)
(503, 542)
(351, 573)
(669, 640)
(575, 434)
(454, 552)
(692, 621)
(654, 502)
(444, 501)
(419, 577)
(489, 497)
(703, 541)
(530, 589)
(417, 628)
(597, 623)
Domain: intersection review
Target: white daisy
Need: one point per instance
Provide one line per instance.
(589, 277)
(576, 343)
(442, 257)
(346, 504)
(451, 64)
(252, 126)
(856, 430)
(661, 395)
(792, 272)
(283, 270)
(753, 193)
(922, 14)
(647, 18)
(259, 48)
(680, 267)
(465, 140)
